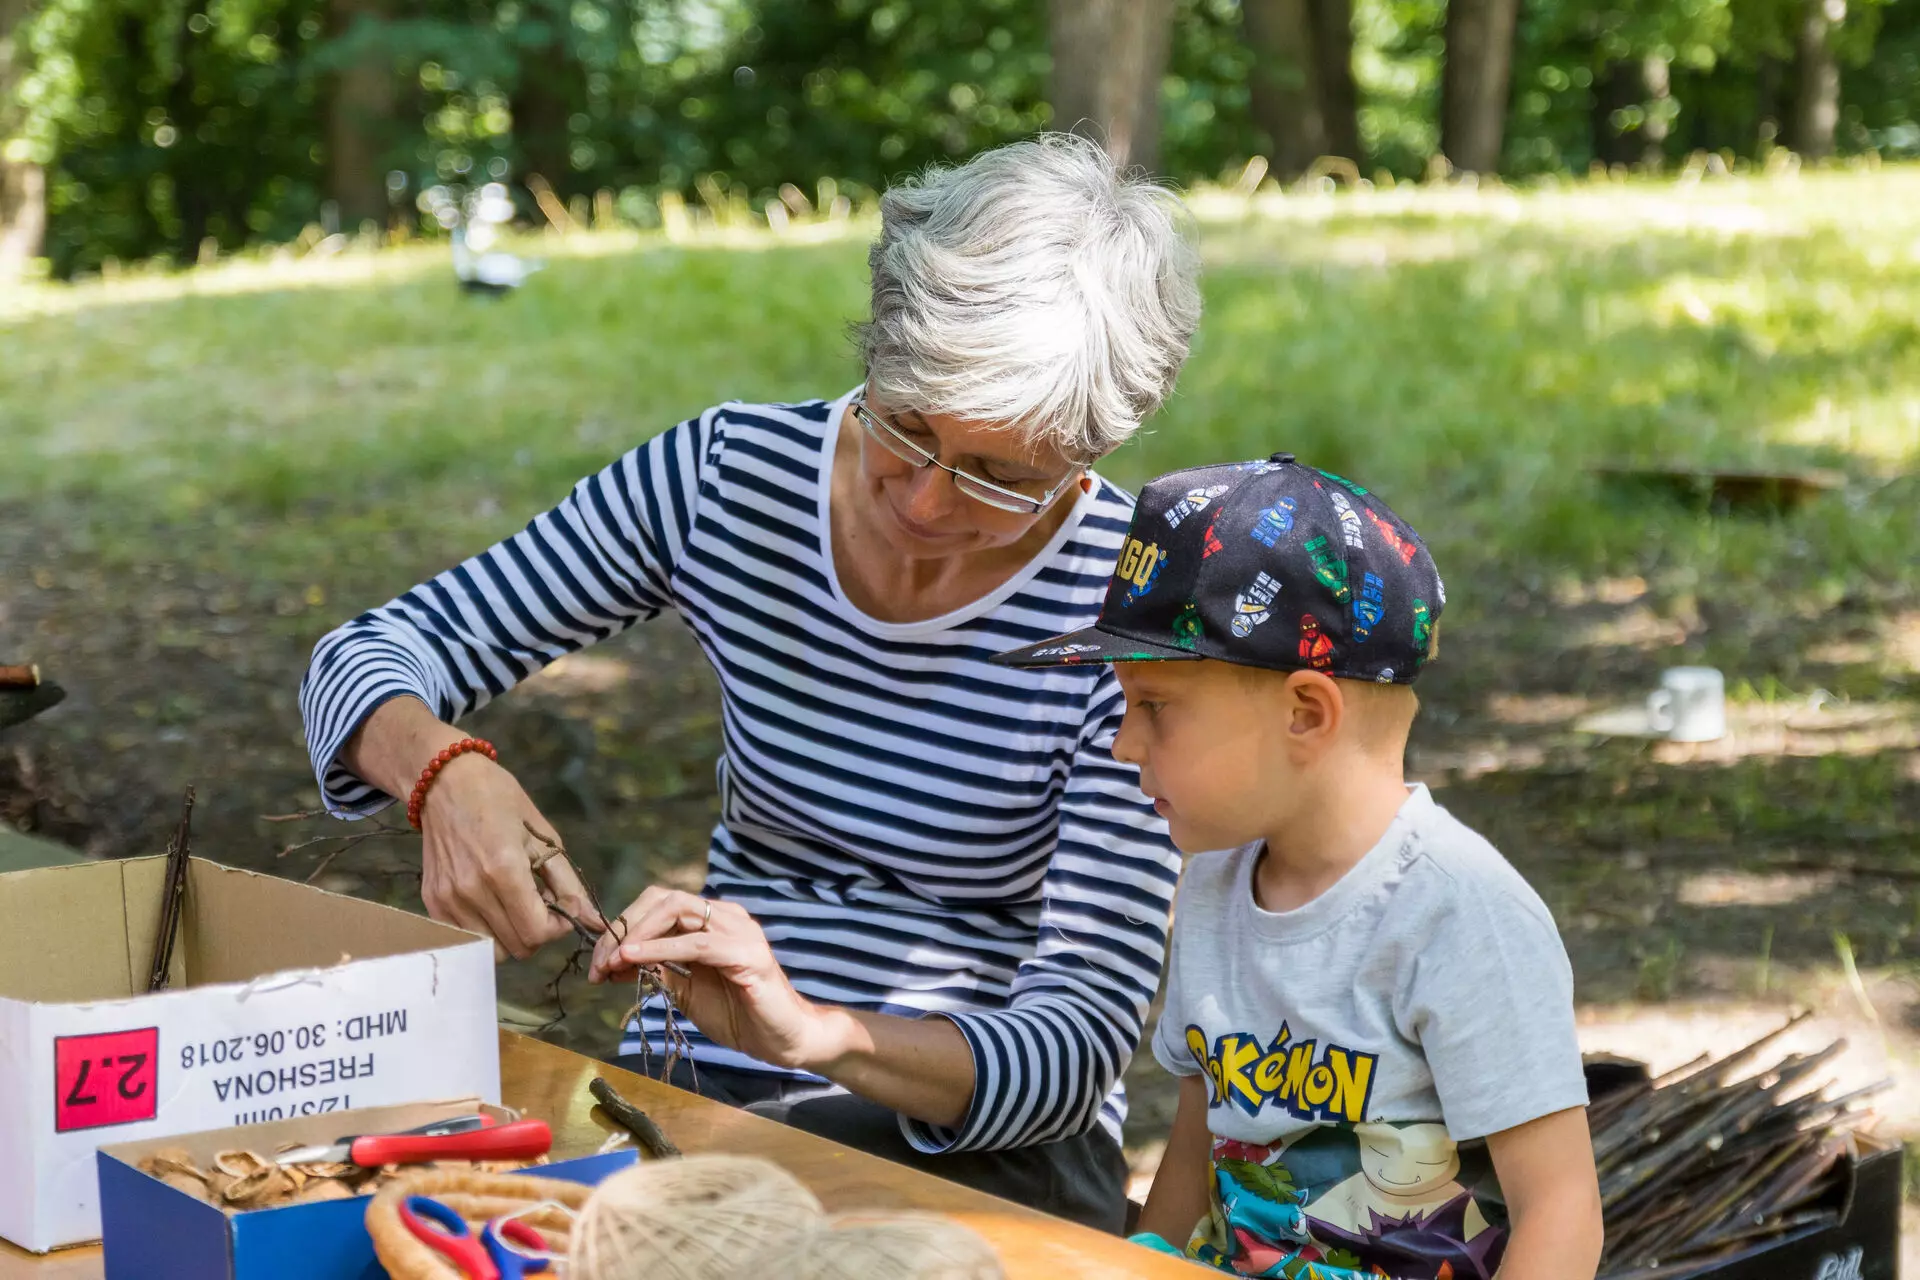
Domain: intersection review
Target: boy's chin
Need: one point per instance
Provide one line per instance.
(1189, 839)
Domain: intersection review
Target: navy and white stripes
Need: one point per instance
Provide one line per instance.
(917, 831)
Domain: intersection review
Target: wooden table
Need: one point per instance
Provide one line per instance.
(551, 1083)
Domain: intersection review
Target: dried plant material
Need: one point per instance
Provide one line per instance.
(324, 1189)
(260, 1190)
(176, 1157)
(1717, 1156)
(328, 1170)
(241, 1181)
(240, 1164)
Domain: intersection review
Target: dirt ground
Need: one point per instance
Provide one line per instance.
(1702, 892)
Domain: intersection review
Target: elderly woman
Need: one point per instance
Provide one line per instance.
(935, 906)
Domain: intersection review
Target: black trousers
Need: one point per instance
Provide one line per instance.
(1083, 1179)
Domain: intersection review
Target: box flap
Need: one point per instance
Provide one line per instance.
(244, 924)
(66, 937)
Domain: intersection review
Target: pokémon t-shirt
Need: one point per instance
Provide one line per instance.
(1359, 1049)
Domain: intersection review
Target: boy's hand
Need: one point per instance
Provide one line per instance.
(1553, 1198)
(1183, 1185)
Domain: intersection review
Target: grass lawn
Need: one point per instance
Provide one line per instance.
(203, 472)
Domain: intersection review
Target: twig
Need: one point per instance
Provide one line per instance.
(633, 1120)
(172, 893)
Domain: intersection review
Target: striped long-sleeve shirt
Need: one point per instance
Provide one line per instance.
(917, 831)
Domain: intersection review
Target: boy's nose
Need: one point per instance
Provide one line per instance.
(1126, 743)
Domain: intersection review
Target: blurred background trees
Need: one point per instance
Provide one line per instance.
(135, 128)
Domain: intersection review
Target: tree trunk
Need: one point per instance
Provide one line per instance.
(23, 184)
(1816, 106)
(1108, 59)
(359, 116)
(1474, 81)
(540, 116)
(1767, 105)
(1656, 74)
(1333, 55)
(1285, 83)
(192, 201)
(1616, 87)
(1646, 83)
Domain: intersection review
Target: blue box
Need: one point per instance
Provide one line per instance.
(152, 1231)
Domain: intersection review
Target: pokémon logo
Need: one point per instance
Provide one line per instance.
(1285, 1074)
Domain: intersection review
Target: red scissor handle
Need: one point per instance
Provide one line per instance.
(446, 1233)
(523, 1139)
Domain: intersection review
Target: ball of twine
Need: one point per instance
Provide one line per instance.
(904, 1246)
(696, 1218)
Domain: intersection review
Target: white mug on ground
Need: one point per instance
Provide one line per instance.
(1690, 705)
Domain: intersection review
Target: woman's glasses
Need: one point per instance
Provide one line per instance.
(1026, 499)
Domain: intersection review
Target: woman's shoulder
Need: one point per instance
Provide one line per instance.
(800, 424)
(1101, 527)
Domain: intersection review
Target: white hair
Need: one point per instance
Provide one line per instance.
(1033, 285)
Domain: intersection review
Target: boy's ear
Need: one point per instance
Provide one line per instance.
(1315, 710)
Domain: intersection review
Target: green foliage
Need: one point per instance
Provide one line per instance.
(1741, 323)
(167, 123)
(1269, 1182)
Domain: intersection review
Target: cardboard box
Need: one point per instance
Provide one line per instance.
(153, 1232)
(284, 1001)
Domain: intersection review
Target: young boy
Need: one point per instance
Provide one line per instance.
(1370, 1012)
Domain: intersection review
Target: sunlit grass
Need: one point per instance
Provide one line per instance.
(1470, 353)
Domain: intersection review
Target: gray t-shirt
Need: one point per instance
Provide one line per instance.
(1359, 1048)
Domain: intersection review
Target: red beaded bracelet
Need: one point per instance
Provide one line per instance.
(432, 771)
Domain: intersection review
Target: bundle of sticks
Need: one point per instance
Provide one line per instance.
(1717, 1157)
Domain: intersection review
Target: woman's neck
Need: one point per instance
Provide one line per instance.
(891, 587)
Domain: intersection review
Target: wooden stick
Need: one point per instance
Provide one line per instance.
(173, 892)
(635, 1121)
(556, 213)
(24, 676)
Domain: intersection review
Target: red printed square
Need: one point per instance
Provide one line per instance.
(106, 1079)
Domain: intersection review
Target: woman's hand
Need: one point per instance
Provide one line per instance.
(483, 837)
(733, 990)
(480, 847)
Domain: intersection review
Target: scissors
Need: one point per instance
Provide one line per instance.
(490, 1257)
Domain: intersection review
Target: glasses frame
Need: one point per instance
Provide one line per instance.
(889, 437)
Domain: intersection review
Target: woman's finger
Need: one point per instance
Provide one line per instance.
(606, 950)
(478, 903)
(570, 891)
(673, 911)
(703, 948)
(511, 883)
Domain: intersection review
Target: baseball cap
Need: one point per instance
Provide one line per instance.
(1266, 564)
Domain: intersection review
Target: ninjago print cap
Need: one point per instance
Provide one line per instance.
(1267, 564)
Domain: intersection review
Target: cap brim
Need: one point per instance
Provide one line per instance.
(1091, 644)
